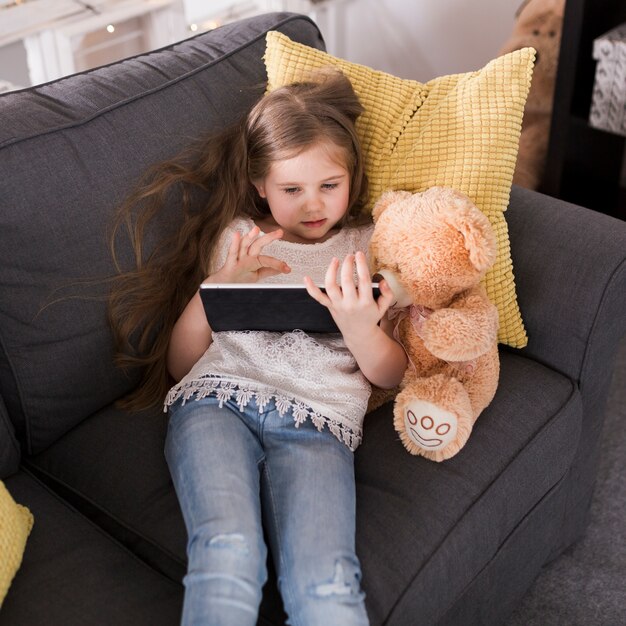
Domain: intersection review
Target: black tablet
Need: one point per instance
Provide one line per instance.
(262, 306)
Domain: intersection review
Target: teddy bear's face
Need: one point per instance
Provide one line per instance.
(421, 247)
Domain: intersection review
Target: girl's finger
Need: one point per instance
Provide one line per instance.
(247, 240)
(253, 233)
(363, 275)
(265, 272)
(330, 280)
(273, 263)
(315, 292)
(233, 250)
(264, 240)
(386, 298)
(348, 288)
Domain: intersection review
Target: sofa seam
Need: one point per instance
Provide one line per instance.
(18, 391)
(574, 391)
(27, 464)
(615, 275)
(89, 118)
(13, 442)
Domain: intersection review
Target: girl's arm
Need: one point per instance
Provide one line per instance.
(192, 335)
(380, 357)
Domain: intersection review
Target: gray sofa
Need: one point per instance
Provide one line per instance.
(456, 543)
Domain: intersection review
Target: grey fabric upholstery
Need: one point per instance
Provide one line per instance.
(567, 310)
(9, 448)
(126, 486)
(570, 265)
(450, 543)
(73, 574)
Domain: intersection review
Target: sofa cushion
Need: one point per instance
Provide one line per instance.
(113, 469)
(73, 574)
(70, 154)
(446, 521)
(460, 131)
(114, 463)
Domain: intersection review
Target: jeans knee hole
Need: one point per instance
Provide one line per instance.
(344, 583)
(234, 542)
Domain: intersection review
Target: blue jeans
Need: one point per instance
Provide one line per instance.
(237, 473)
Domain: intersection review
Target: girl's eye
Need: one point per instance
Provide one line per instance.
(329, 185)
(291, 190)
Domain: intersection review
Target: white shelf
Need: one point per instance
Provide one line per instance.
(61, 37)
(22, 20)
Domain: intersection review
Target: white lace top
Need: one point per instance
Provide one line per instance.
(315, 375)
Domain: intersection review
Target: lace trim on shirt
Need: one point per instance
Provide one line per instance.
(224, 391)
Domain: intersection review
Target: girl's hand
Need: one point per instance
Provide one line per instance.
(245, 263)
(191, 335)
(352, 306)
(379, 356)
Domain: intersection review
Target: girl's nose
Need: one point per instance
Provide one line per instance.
(314, 202)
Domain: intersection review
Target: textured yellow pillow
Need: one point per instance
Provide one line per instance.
(460, 131)
(16, 522)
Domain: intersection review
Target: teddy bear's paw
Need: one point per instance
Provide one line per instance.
(428, 426)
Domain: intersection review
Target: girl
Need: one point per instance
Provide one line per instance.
(262, 426)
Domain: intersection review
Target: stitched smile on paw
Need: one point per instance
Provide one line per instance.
(432, 430)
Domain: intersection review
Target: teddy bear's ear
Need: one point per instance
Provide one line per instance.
(480, 240)
(386, 199)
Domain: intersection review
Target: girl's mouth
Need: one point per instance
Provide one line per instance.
(314, 224)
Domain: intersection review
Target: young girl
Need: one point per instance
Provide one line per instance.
(263, 425)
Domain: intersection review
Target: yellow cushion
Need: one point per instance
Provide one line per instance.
(459, 131)
(16, 522)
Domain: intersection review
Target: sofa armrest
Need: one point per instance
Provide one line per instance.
(570, 270)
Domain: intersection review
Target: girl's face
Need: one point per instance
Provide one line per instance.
(307, 194)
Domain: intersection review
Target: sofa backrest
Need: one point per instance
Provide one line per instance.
(70, 151)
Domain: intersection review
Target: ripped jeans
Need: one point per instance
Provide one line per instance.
(239, 472)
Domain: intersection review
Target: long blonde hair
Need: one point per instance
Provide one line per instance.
(146, 301)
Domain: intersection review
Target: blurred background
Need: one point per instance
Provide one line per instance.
(41, 40)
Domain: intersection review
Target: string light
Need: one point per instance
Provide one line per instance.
(204, 26)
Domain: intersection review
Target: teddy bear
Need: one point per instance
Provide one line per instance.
(538, 25)
(433, 248)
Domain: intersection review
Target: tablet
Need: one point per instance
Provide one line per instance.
(266, 306)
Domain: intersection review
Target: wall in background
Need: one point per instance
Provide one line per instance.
(13, 64)
(422, 39)
(417, 39)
